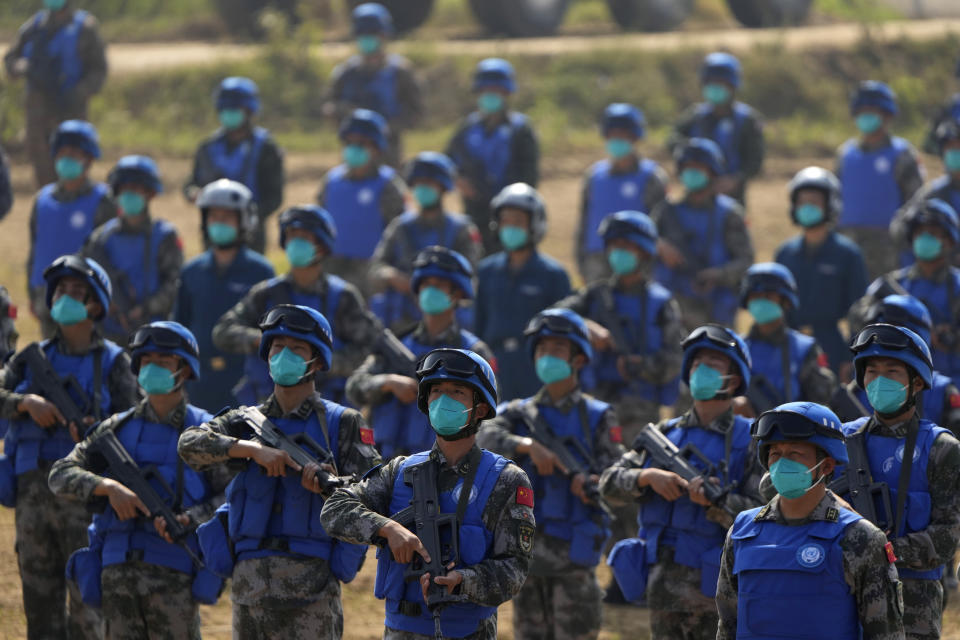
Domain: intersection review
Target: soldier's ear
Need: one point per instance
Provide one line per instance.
(483, 411)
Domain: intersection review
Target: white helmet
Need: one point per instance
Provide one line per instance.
(228, 194)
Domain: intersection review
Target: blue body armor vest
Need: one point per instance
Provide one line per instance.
(726, 132)
(939, 298)
(492, 148)
(62, 227)
(612, 192)
(768, 361)
(355, 207)
(61, 52)
(476, 543)
(779, 568)
(378, 93)
(239, 163)
(871, 195)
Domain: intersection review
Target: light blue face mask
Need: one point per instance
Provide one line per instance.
(221, 233)
(622, 261)
(513, 238)
(67, 311)
(368, 44)
(131, 203)
(300, 252)
(790, 478)
(490, 102)
(705, 382)
(764, 311)
(552, 369)
(927, 246)
(868, 122)
(951, 160)
(68, 168)
(619, 147)
(287, 368)
(809, 215)
(448, 416)
(54, 5)
(694, 179)
(433, 300)
(356, 156)
(425, 195)
(716, 93)
(156, 380)
(231, 119)
(885, 395)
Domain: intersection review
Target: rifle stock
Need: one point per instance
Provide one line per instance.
(857, 481)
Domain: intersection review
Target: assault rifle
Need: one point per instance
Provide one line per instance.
(865, 494)
(124, 469)
(439, 533)
(762, 395)
(301, 447)
(397, 357)
(47, 383)
(606, 315)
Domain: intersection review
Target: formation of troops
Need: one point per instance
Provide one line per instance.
(427, 382)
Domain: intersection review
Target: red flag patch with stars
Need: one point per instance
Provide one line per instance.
(891, 556)
(366, 436)
(954, 400)
(525, 497)
(616, 434)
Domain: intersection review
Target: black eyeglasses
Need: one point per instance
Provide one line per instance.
(160, 337)
(791, 426)
(717, 335)
(295, 319)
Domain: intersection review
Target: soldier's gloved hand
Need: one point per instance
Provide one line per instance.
(695, 489)
(402, 387)
(451, 581)
(41, 411)
(161, 525)
(578, 486)
(274, 461)
(403, 543)
(667, 484)
(125, 502)
(544, 460)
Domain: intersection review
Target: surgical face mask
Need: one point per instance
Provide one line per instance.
(951, 160)
(68, 168)
(513, 238)
(425, 195)
(221, 233)
(694, 179)
(368, 44)
(131, 203)
(705, 382)
(231, 118)
(448, 416)
(54, 5)
(716, 93)
(433, 300)
(552, 369)
(287, 368)
(886, 395)
(809, 215)
(792, 479)
(67, 311)
(156, 380)
(490, 102)
(300, 252)
(868, 122)
(619, 148)
(622, 261)
(764, 311)
(356, 156)
(927, 246)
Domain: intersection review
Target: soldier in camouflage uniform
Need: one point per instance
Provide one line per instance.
(50, 529)
(147, 580)
(492, 497)
(676, 556)
(561, 598)
(286, 580)
(773, 580)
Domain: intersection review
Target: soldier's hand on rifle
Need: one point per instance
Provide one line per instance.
(402, 387)
(695, 489)
(667, 484)
(669, 254)
(578, 486)
(274, 461)
(544, 460)
(308, 477)
(742, 407)
(403, 543)
(599, 335)
(450, 581)
(161, 525)
(125, 502)
(41, 411)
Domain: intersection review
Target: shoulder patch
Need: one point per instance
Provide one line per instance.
(762, 513)
(822, 360)
(954, 400)
(525, 535)
(525, 496)
(832, 514)
(366, 436)
(891, 556)
(616, 434)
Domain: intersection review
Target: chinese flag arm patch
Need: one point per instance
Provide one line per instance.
(525, 496)
(616, 433)
(822, 360)
(366, 436)
(891, 556)
(954, 400)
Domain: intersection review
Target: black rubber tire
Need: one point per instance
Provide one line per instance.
(756, 14)
(531, 18)
(407, 14)
(487, 13)
(650, 15)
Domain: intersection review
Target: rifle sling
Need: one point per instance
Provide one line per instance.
(97, 380)
(786, 368)
(321, 412)
(903, 481)
(464, 501)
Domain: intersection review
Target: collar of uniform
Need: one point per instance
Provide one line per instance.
(450, 336)
(633, 167)
(939, 276)
(466, 463)
(564, 404)
(885, 142)
(721, 423)
(62, 194)
(637, 288)
(175, 418)
(431, 223)
(318, 287)
(778, 336)
(96, 342)
(141, 226)
(898, 430)
(827, 510)
(271, 408)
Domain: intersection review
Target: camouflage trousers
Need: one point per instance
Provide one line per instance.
(487, 630)
(679, 610)
(633, 414)
(681, 625)
(565, 607)
(146, 602)
(48, 531)
(43, 116)
(880, 254)
(922, 609)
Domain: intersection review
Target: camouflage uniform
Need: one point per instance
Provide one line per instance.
(6, 187)
(140, 600)
(296, 593)
(872, 579)
(357, 513)
(560, 600)
(49, 529)
(45, 110)
(678, 608)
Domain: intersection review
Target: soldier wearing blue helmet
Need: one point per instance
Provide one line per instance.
(430, 175)
(624, 181)
(78, 293)
(733, 125)
(787, 365)
(377, 80)
(73, 204)
(143, 255)
(675, 557)
(704, 246)
(819, 569)
(242, 152)
(878, 173)
(441, 280)
(137, 570)
(363, 195)
(61, 55)
(919, 462)
(561, 597)
(946, 145)
(493, 147)
(489, 496)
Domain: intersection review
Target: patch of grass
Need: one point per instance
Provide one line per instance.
(858, 10)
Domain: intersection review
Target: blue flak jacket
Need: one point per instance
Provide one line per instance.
(871, 195)
(725, 132)
(611, 192)
(768, 361)
(355, 207)
(61, 51)
(238, 162)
